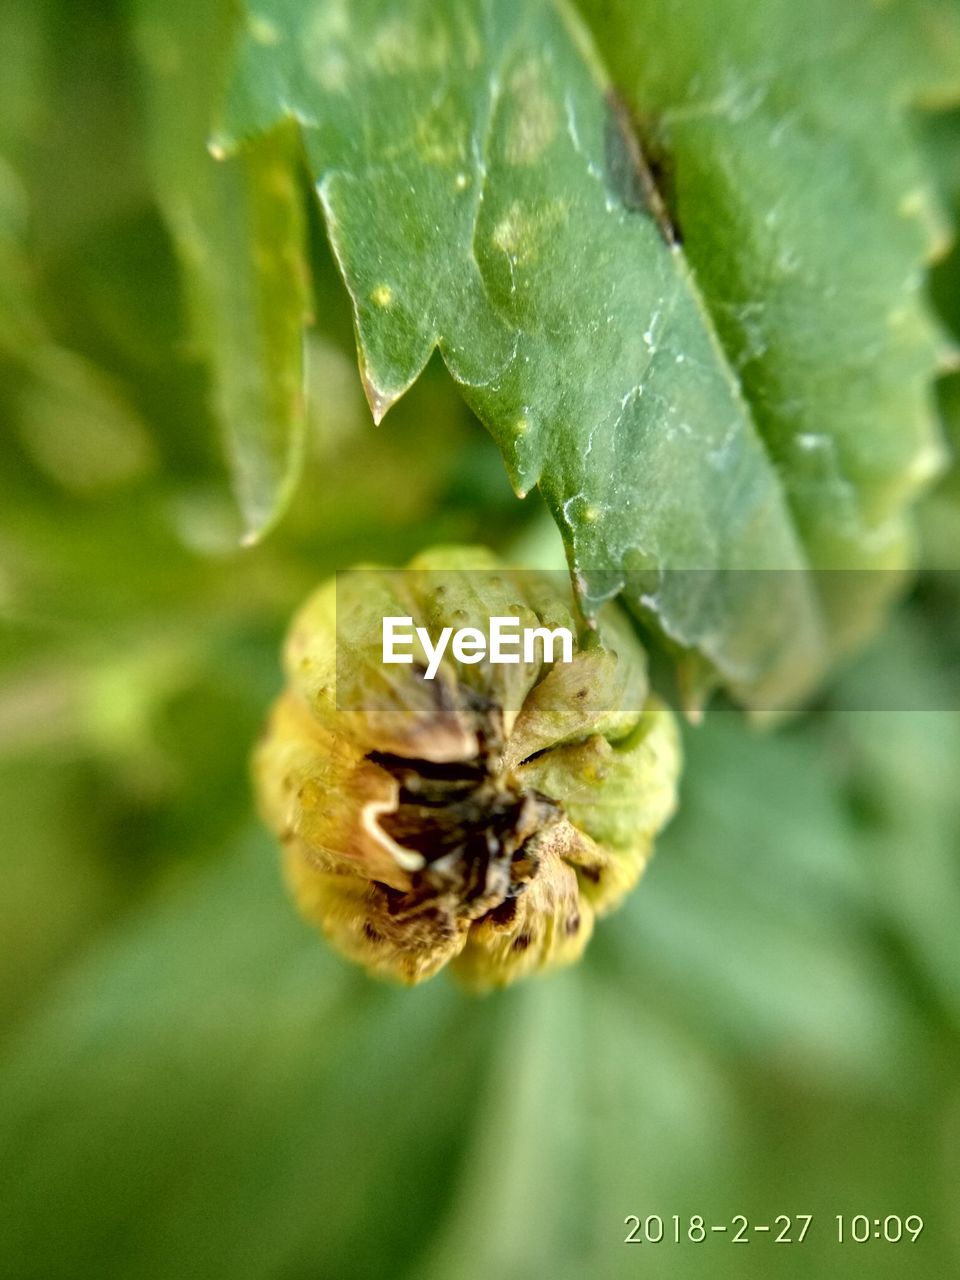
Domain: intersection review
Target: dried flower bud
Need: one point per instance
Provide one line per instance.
(482, 818)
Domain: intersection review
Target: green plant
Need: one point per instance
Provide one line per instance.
(704, 310)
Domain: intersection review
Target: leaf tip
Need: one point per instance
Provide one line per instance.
(379, 400)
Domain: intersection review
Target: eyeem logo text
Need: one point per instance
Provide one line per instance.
(507, 642)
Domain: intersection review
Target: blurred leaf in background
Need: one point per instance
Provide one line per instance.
(239, 227)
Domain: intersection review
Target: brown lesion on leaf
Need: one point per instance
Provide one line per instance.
(639, 167)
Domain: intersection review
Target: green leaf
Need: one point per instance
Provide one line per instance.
(754, 400)
(807, 215)
(239, 225)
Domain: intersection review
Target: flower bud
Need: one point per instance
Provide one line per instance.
(482, 818)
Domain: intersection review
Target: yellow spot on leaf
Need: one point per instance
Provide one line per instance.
(262, 30)
(521, 232)
(533, 116)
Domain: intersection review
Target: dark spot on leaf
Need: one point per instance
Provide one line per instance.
(638, 167)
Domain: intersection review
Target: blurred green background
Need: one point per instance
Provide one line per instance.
(191, 1085)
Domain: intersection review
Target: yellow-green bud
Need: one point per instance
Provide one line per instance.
(482, 818)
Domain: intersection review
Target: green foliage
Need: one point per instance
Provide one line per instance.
(190, 1083)
(760, 1030)
(716, 406)
(240, 231)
